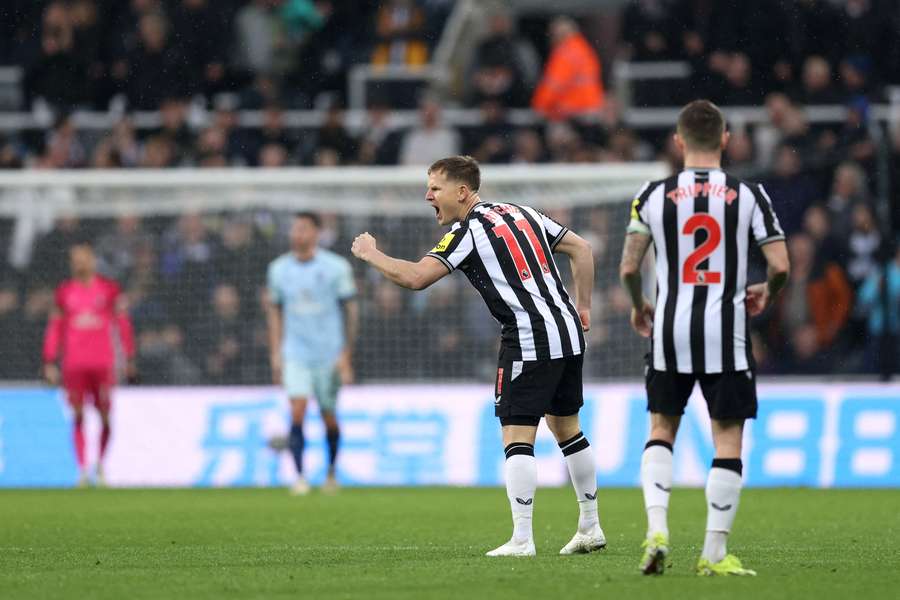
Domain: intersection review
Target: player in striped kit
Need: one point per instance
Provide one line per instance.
(506, 251)
(700, 222)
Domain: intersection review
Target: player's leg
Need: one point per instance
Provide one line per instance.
(298, 384)
(520, 474)
(731, 398)
(565, 426)
(103, 403)
(73, 383)
(667, 396)
(326, 385)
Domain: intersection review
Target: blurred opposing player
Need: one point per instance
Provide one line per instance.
(506, 251)
(700, 222)
(90, 313)
(312, 316)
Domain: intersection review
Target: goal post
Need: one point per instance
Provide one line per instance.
(191, 246)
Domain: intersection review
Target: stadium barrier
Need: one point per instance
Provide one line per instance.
(817, 435)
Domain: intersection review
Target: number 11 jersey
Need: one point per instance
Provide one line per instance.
(701, 223)
(506, 251)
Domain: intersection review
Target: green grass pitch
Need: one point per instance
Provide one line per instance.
(428, 543)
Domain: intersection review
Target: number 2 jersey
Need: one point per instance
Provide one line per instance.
(702, 223)
(506, 251)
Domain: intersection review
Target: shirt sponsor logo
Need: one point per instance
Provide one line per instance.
(444, 243)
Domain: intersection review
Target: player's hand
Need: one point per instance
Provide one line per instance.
(757, 298)
(51, 374)
(585, 315)
(277, 367)
(344, 368)
(363, 246)
(642, 319)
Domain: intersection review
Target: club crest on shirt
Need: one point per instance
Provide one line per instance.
(444, 243)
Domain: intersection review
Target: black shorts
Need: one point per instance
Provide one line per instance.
(534, 388)
(728, 395)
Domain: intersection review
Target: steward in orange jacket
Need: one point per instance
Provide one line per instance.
(572, 82)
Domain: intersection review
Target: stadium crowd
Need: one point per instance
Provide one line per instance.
(199, 277)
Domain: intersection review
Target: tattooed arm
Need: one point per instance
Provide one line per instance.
(636, 245)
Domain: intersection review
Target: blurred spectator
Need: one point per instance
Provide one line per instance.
(158, 153)
(528, 148)
(123, 145)
(881, 284)
(272, 156)
(50, 261)
(57, 75)
(117, 250)
(387, 316)
(848, 187)
(10, 155)
(741, 86)
(379, 144)
(154, 69)
(563, 142)
(646, 31)
(817, 86)
(505, 67)
(740, 156)
(241, 259)
(273, 131)
(491, 142)
(199, 32)
(186, 266)
(334, 136)
(63, 146)
(11, 326)
(863, 244)
(817, 296)
(173, 112)
(39, 301)
(817, 224)
(791, 188)
(210, 149)
(258, 37)
(572, 81)
(400, 29)
(219, 337)
(161, 358)
(431, 140)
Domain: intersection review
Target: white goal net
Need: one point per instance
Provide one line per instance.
(191, 247)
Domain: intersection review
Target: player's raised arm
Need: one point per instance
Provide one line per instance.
(411, 275)
(581, 258)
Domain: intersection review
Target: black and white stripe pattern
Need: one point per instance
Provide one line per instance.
(701, 222)
(576, 443)
(506, 251)
(519, 448)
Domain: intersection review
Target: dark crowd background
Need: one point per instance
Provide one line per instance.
(199, 67)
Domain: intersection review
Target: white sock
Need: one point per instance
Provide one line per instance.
(583, 473)
(723, 492)
(656, 480)
(521, 482)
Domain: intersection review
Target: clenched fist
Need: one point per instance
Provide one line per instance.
(363, 246)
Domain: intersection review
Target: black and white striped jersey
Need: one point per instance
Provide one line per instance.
(506, 251)
(702, 223)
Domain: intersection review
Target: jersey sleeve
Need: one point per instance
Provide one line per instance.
(555, 231)
(639, 223)
(346, 286)
(272, 290)
(764, 221)
(453, 248)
